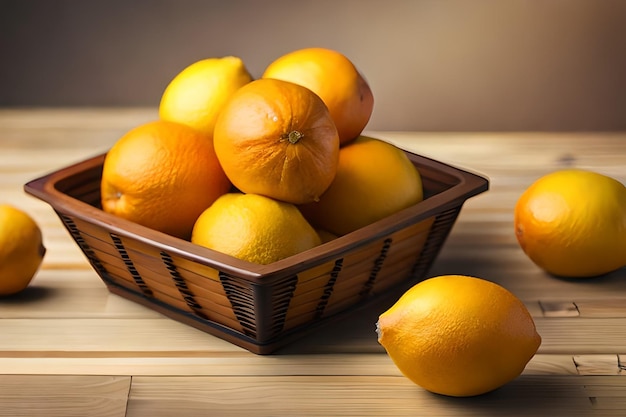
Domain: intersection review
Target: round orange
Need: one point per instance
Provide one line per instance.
(162, 175)
(332, 76)
(277, 139)
(374, 180)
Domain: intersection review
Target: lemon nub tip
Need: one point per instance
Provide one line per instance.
(378, 332)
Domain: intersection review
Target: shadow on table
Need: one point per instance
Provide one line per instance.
(351, 332)
(30, 294)
(527, 395)
(605, 279)
(355, 331)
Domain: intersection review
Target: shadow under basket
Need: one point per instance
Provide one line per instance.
(258, 307)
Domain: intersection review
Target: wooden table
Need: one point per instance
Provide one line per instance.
(69, 348)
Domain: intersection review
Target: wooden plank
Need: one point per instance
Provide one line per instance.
(581, 335)
(87, 336)
(597, 364)
(225, 363)
(298, 395)
(63, 396)
(77, 303)
(69, 293)
(235, 364)
(560, 336)
(607, 395)
(559, 309)
(551, 364)
(575, 335)
(367, 396)
(605, 307)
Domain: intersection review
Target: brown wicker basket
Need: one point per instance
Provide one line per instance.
(258, 307)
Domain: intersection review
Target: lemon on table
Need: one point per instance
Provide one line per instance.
(572, 223)
(459, 336)
(254, 228)
(196, 95)
(21, 249)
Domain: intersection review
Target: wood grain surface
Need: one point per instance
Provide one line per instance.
(70, 348)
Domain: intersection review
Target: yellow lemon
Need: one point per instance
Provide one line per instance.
(459, 336)
(254, 228)
(196, 95)
(21, 249)
(374, 179)
(326, 236)
(572, 223)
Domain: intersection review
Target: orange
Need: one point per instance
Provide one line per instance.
(162, 175)
(374, 180)
(21, 249)
(572, 223)
(333, 77)
(254, 228)
(458, 335)
(277, 139)
(196, 95)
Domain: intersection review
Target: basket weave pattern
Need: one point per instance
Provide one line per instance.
(260, 310)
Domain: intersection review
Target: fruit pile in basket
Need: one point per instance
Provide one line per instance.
(267, 168)
(260, 169)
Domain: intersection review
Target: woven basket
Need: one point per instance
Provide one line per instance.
(258, 307)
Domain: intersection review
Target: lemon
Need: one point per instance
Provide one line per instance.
(374, 179)
(196, 95)
(572, 223)
(326, 236)
(254, 228)
(21, 249)
(459, 336)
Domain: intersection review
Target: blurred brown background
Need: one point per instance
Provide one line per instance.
(456, 65)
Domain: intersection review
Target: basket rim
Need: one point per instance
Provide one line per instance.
(466, 184)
